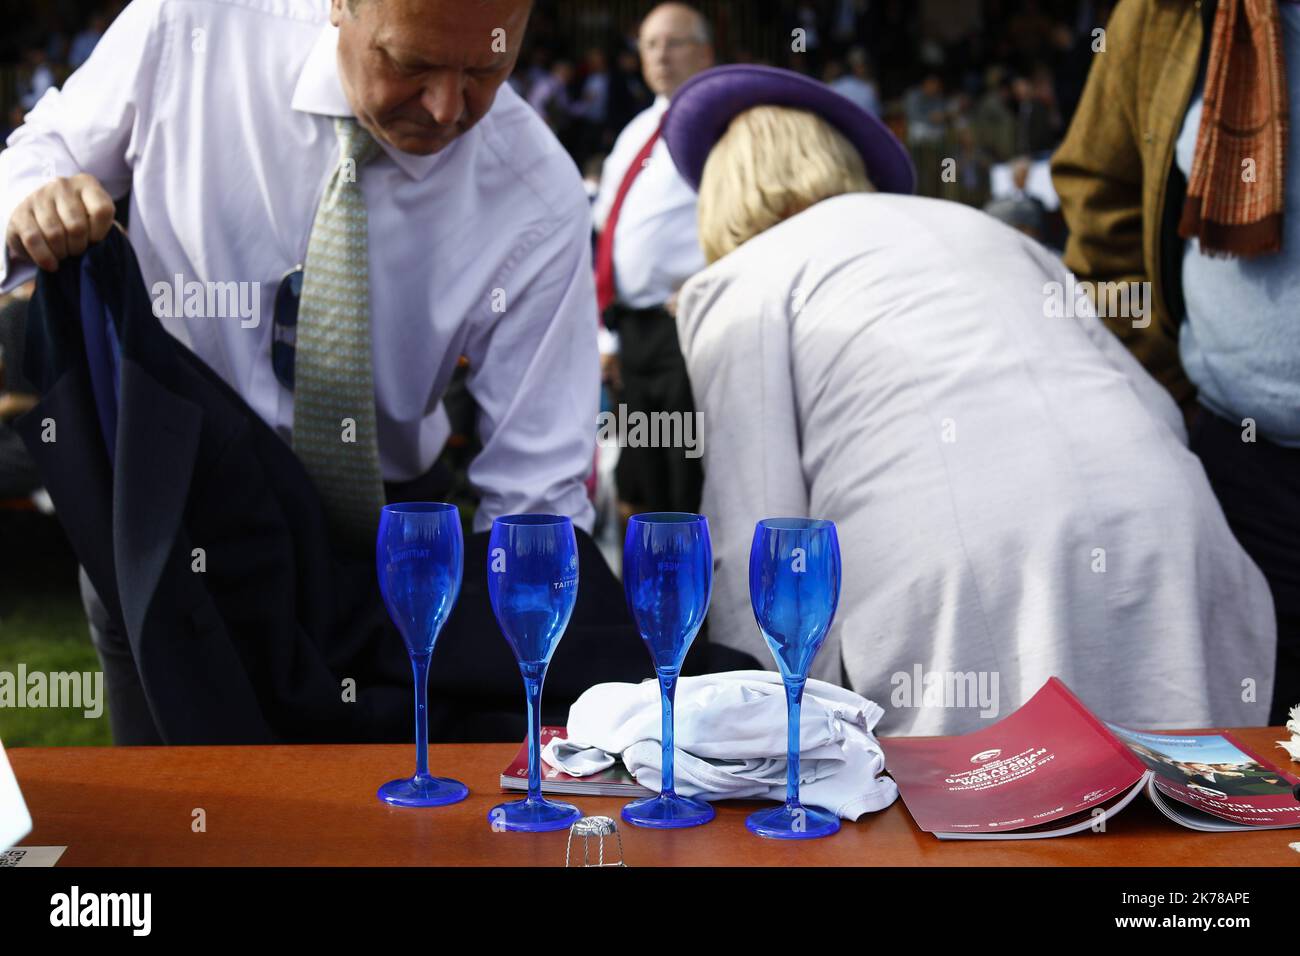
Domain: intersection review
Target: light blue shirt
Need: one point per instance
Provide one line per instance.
(1240, 344)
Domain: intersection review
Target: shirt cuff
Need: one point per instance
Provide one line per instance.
(607, 341)
(13, 273)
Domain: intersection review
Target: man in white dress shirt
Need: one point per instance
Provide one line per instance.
(224, 121)
(218, 118)
(645, 213)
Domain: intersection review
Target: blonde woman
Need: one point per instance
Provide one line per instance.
(1014, 495)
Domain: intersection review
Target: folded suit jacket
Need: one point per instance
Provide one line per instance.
(154, 456)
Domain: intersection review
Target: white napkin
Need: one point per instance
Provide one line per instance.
(1292, 746)
(730, 740)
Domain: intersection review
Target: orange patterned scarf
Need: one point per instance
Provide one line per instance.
(1236, 192)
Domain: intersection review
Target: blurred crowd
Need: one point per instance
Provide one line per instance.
(49, 42)
(990, 84)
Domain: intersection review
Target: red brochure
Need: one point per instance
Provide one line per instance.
(1053, 768)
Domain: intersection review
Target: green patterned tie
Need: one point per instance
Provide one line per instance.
(334, 430)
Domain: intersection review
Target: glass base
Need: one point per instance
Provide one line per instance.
(668, 812)
(423, 792)
(793, 823)
(533, 816)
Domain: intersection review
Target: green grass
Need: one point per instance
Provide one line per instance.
(42, 626)
(49, 634)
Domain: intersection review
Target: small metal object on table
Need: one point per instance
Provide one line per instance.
(598, 827)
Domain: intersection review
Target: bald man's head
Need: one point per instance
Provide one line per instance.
(675, 43)
(420, 73)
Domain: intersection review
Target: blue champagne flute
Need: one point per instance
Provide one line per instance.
(668, 578)
(533, 584)
(419, 553)
(794, 585)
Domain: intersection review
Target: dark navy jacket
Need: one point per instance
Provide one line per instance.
(156, 456)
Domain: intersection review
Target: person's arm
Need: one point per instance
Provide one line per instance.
(13, 404)
(1154, 397)
(73, 153)
(535, 374)
(1097, 172)
(735, 338)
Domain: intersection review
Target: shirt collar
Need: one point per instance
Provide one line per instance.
(320, 91)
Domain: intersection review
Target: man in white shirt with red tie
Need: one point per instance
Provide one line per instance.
(648, 247)
(254, 136)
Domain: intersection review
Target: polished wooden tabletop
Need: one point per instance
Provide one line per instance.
(316, 805)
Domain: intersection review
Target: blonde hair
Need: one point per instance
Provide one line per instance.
(772, 163)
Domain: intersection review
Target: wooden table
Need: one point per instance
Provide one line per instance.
(316, 805)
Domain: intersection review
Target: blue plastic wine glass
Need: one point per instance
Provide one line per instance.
(533, 584)
(794, 585)
(668, 578)
(419, 553)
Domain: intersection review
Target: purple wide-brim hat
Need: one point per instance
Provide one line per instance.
(706, 104)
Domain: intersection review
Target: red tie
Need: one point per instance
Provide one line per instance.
(605, 291)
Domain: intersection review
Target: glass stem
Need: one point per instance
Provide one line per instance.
(534, 675)
(667, 692)
(420, 667)
(794, 704)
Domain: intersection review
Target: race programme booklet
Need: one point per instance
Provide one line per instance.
(1053, 768)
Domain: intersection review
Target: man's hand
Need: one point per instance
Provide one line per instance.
(611, 371)
(59, 220)
(13, 404)
(671, 305)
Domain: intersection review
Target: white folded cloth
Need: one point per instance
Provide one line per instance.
(730, 740)
(1292, 746)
